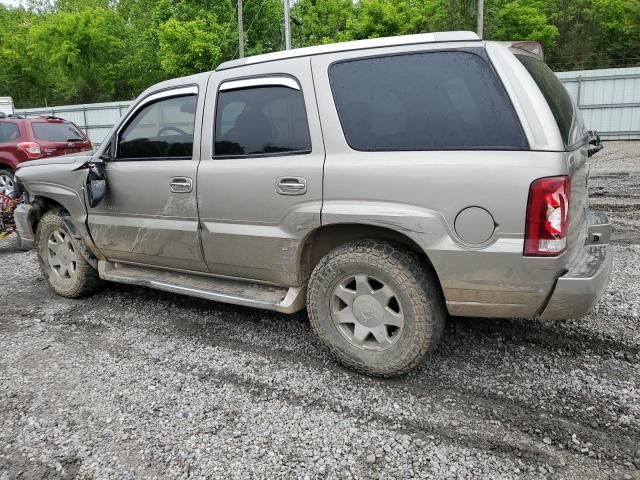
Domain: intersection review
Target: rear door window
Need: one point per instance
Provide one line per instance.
(56, 132)
(556, 96)
(261, 121)
(8, 132)
(424, 101)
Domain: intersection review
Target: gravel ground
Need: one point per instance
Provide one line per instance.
(136, 383)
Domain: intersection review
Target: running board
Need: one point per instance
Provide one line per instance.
(237, 292)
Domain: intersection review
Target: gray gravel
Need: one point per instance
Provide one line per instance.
(135, 383)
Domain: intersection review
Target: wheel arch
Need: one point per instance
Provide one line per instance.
(323, 239)
(41, 205)
(6, 165)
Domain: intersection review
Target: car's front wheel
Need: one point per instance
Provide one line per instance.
(376, 306)
(67, 271)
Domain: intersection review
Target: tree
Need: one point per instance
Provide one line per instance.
(190, 46)
(521, 20)
(617, 30)
(19, 76)
(320, 21)
(81, 51)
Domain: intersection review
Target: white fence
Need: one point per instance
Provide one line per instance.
(609, 100)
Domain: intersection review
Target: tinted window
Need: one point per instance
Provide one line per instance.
(261, 120)
(57, 132)
(163, 129)
(8, 131)
(425, 101)
(554, 92)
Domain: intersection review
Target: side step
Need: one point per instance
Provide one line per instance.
(280, 299)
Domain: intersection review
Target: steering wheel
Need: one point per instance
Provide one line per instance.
(169, 145)
(175, 129)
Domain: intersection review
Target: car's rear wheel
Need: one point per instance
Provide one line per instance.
(7, 182)
(67, 271)
(376, 306)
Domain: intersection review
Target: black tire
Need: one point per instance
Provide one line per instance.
(415, 288)
(85, 280)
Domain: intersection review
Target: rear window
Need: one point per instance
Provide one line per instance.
(555, 94)
(424, 101)
(56, 132)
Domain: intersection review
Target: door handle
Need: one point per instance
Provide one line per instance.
(181, 184)
(291, 185)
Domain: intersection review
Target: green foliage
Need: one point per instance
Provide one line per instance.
(523, 20)
(81, 50)
(188, 46)
(67, 51)
(618, 28)
(320, 21)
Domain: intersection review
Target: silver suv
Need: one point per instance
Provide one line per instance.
(383, 184)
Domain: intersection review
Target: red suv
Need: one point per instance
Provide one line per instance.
(23, 139)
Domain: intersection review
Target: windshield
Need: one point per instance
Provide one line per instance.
(57, 132)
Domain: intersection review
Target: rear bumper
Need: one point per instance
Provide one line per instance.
(21, 216)
(578, 290)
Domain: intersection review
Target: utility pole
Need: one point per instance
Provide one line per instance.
(480, 27)
(240, 30)
(287, 32)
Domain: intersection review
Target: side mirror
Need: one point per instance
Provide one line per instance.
(96, 182)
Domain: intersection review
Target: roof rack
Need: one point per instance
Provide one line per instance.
(434, 37)
(10, 115)
(51, 117)
(30, 115)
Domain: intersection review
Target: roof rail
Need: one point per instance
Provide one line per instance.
(354, 45)
(10, 115)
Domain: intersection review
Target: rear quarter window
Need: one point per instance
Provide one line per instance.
(9, 131)
(442, 100)
(557, 97)
(56, 132)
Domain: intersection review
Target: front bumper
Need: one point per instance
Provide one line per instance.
(21, 217)
(578, 290)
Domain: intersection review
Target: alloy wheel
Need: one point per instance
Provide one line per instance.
(63, 259)
(7, 184)
(367, 312)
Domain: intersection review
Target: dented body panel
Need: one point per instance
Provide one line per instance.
(234, 223)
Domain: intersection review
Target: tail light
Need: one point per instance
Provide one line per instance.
(31, 149)
(547, 217)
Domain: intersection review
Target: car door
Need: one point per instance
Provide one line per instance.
(260, 179)
(149, 214)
